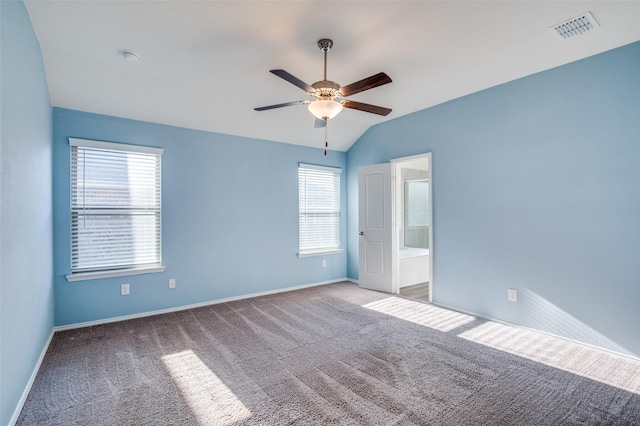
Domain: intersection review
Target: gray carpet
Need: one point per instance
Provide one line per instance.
(333, 354)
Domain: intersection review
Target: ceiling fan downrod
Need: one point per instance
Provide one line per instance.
(325, 44)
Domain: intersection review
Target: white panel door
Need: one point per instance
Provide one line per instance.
(375, 232)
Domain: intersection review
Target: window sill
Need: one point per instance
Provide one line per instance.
(83, 276)
(319, 252)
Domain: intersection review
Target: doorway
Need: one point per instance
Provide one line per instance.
(395, 227)
(412, 226)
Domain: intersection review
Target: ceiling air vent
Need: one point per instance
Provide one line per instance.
(575, 26)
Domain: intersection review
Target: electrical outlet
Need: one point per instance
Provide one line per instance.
(512, 295)
(124, 289)
(324, 263)
(172, 283)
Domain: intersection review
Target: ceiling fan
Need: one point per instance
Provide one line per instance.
(329, 97)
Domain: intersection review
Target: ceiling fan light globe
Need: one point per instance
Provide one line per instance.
(325, 109)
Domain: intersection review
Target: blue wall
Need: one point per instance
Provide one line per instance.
(26, 257)
(536, 186)
(229, 219)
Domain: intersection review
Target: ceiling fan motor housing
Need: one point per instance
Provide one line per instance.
(326, 89)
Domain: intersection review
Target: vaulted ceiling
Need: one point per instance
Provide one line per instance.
(205, 64)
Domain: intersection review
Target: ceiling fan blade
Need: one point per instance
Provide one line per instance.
(293, 80)
(365, 84)
(264, 108)
(374, 109)
(320, 123)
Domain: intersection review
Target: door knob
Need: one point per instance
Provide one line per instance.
(361, 234)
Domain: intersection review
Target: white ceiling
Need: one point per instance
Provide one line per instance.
(205, 65)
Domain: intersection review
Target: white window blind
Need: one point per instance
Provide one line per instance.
(319, 208)
(115, 206)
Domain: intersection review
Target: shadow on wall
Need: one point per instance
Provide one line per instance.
(544, 315)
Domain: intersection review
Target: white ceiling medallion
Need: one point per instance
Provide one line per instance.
(575, 26)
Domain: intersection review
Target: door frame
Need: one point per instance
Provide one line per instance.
(396, 221)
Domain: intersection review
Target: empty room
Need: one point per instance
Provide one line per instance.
(319, 212)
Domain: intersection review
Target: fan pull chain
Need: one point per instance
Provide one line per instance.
(326, 138)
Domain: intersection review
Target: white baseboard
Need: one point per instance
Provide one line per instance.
(27, 389)
(195, 305)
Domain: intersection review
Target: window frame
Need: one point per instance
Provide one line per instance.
(336, 173)
(116, 270)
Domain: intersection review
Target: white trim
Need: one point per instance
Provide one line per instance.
(395, 227)
(87, 143)
(83, 276)
(317, 167)
(27, 389)
(511, 324)
(319, 252)
(431, 228)
(410, 158)
(192, 306)
(396, 221)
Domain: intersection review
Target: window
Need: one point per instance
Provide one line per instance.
(115, 209)
(319, 209)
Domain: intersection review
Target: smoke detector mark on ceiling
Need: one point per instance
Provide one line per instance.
(575, 26)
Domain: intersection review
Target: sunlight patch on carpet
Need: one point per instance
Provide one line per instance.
(420, 313)
(585, 361)
(210, 400)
